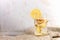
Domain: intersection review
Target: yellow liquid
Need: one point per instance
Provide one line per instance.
(39, 27)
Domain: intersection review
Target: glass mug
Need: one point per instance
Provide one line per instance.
(40, 26)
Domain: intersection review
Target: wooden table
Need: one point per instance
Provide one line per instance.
(25, 37)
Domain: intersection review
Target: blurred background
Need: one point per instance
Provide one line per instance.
(15, 14)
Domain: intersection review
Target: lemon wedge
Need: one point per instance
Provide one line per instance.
(35, 14)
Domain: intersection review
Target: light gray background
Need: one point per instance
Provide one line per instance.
(15, 14)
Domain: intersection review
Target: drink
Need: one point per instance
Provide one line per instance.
(40, 26)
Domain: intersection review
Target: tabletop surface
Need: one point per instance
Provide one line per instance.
(30, 36)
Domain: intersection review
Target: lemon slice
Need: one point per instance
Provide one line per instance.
(35, 14)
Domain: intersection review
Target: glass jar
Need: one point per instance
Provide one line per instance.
(40, 26)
